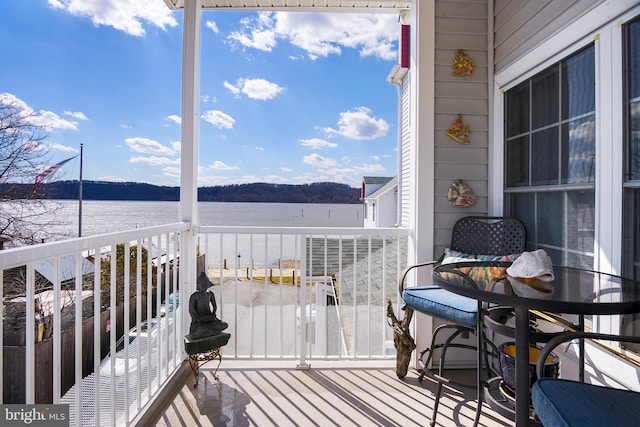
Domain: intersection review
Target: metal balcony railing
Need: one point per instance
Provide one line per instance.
(288, 293)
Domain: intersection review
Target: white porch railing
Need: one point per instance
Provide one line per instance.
(305, 292)
(298, 293)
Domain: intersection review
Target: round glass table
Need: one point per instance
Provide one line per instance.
(573, 291)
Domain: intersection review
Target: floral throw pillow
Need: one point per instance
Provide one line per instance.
(481, 276)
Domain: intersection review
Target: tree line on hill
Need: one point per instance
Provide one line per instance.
(321, 192)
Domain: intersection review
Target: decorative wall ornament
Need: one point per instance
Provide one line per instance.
(458, 131)
(463, 64)
(460, 195)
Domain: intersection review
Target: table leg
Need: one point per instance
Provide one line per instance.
(522, 367)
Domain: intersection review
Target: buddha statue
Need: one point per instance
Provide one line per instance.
(202, 308)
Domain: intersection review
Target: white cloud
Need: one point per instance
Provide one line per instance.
(369, 169)
(286, 169)
(233, 89)
(212, 26)
(317, 143)
(257, 33)
(171, 171)
(316, 160)
(322, 34)
(63, 148)
(50, 120)
(176, 145)
(221, 166)
(149, 146)
(260, 148)
(154, 160)
(47, 120)
(219, 119)
(358, 124)
(76, 115)
(174, 118)
(124, 15)
(111, 178)
(260, 89)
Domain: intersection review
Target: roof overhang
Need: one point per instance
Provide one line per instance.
(379, 6)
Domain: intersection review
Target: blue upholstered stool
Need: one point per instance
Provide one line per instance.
(447, 305)
(560, 402)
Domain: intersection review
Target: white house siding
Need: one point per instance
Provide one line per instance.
(461, 24)
(387, 213)
(406, 153)
(520, 25)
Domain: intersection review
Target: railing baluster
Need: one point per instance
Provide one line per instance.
(146, 358)
(266, 296)
(57, 362)
(78, 334)
(139, 250)
(2, 338)
(127, 324)
(354, 327)
(30, 337)
(113, 302)
(369, 290)
(302, 362)
(97, 330)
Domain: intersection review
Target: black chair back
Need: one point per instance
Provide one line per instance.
(484, 235)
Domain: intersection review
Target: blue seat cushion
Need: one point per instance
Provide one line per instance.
(559, 402)
(438, 302)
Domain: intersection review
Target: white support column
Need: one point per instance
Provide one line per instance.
(189, 150)
(422, 46)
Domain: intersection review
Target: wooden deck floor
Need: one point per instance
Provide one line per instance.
(265, 393)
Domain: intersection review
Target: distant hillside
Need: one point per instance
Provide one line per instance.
(322, 192)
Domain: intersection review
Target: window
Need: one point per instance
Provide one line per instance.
(631, 193)
(550, 143)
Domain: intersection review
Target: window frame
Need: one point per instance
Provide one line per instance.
(568, 248)
(603, 27)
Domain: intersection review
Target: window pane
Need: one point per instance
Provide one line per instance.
(550, 214)
(544, 157)
(518, 162)
(523, 207)
(517, 107)
(579, 151)
(630, 324)
(634, 140)
(580, 221)
(578, 82)
(544, 108)
(630, 240)
(634, 60)
(633, 136)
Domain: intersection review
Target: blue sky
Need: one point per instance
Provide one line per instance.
(286, 98)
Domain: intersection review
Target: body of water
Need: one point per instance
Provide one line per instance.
(100, 216)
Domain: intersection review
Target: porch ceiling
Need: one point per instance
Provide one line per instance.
(308, 5)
